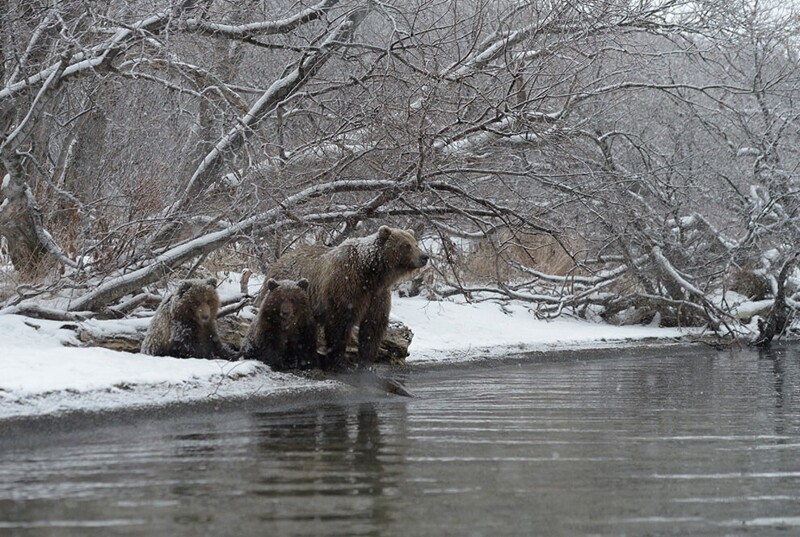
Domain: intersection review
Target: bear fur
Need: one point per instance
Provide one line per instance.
(350, 285)
(284, 333)
(185, 323)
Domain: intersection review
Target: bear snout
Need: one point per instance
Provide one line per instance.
(286, 311)
(203, 313)
(423, 260)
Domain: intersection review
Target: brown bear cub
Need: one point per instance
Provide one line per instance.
(185, 323)
(350, 285)
(284, 333)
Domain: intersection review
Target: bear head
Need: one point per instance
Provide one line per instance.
(400, 249)
(196, 301)
(287, 299)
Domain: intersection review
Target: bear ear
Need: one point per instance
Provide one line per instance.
(410, 232)
(384, 232)
(272, 284)
(302, 283)
(212, 282)
(183, 287)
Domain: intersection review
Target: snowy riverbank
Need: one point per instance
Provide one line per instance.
(42, 374)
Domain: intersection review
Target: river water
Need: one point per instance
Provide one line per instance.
(669, 442)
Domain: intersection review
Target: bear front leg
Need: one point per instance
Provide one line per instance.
(183, 342)
(221, 350)
(337, 332)
(373, 328)
(307, 347)
(275, 357)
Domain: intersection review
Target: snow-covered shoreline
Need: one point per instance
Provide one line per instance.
(44, 373)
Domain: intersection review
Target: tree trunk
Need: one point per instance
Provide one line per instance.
(19, 220)
(779, 315)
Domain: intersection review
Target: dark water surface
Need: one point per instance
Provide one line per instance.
(674, 442)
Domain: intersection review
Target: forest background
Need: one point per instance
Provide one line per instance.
(634, 161)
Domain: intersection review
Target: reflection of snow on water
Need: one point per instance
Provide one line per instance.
(732, 475)
(113, 523)
(769, 521)
(738, 499)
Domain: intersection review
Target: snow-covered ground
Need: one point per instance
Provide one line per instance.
(462, 331)
(43, 372)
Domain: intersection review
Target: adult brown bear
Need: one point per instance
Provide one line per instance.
(284, 333)
(185, 323)
(350, 285)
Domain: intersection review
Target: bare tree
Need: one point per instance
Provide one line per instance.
(140, 137)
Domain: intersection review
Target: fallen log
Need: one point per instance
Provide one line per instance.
(232, 329)
(378, 378)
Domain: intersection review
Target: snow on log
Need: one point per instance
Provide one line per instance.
(38, 311)
(672, 273)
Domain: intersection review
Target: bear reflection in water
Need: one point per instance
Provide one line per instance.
(342, 445)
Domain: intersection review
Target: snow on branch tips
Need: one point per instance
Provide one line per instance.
(210, 167)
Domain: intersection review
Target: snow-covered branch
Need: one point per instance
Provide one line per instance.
(211, 165)
(164, 263)
(673, 274)
(45, 239)
(575, 279)
(490, 51)
(11, 142)
(93, 58)
(238, 31)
